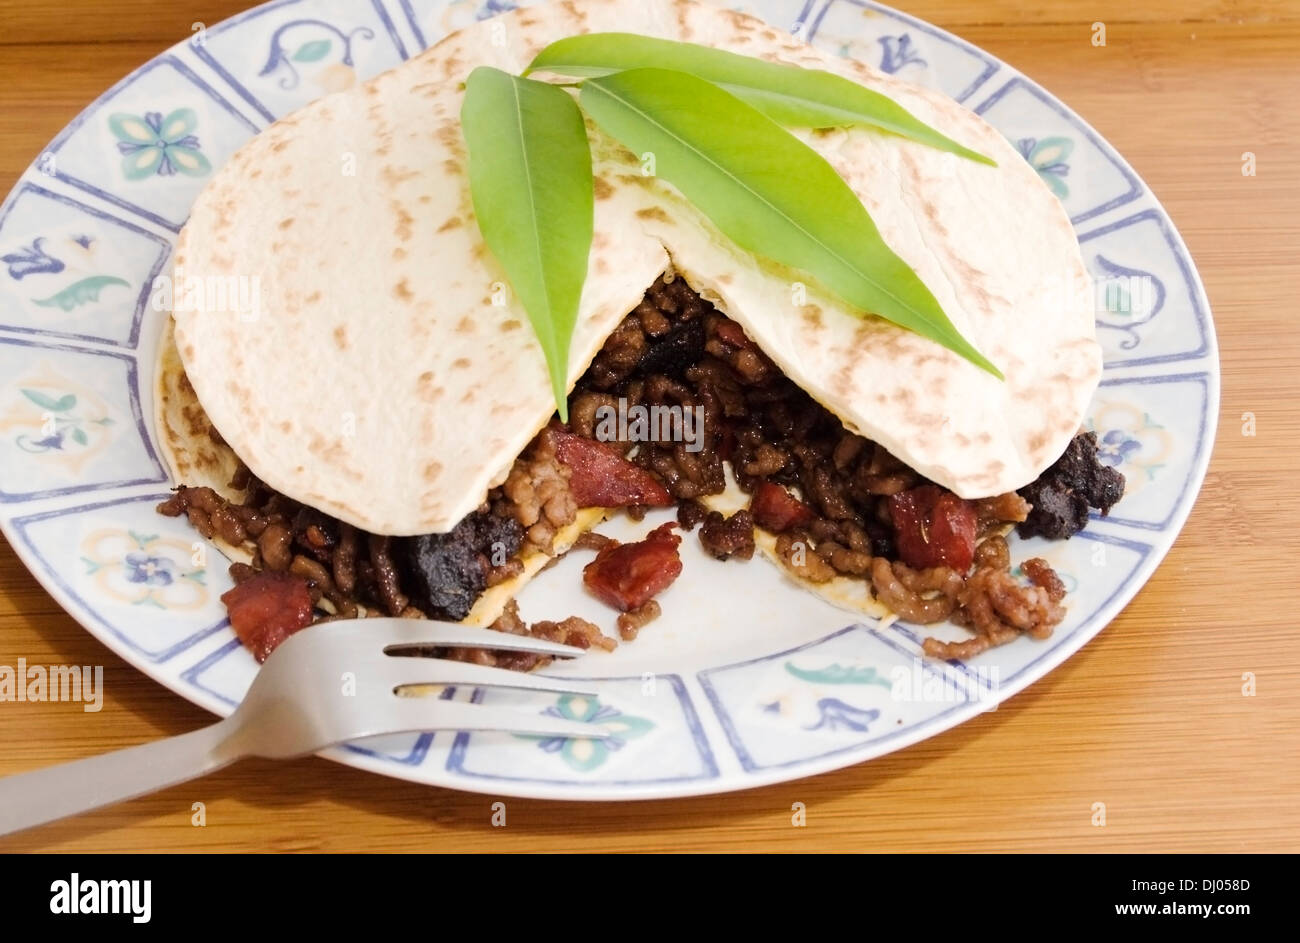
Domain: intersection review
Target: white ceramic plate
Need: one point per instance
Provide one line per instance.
(746, 679)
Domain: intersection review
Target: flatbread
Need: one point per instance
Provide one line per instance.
(388, 378)
(196, 459)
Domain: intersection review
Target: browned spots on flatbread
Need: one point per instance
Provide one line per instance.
(932, 214)
(511, 325)
(398, 254)
(405, 221)
(432, 470)
(276, 247)
(286, 426)
(451, 167)
(468, 397)
(465, 325)
(984, 438)
(462, 363)
(402, 290)
(426, 198)
(602, 188)
(341, 337)
(286, 222)
(653, 212)
(599, 240)
(1038, 441)
(424, 385)
(255, 172)
(196, 421)
(575, 11)
(393, 177)
(448, 135)
(312, 298)
(280, 145)
(812, 316)
(450, 66)
(501, 409)
(451, 224)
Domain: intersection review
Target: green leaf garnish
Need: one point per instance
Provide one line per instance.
(768, 192)
(788, 94)
(530, 180)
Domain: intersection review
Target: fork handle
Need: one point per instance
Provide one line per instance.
(43, 795)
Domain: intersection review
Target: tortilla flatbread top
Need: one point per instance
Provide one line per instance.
(387, 377)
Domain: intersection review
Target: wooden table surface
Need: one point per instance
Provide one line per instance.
(1149, 718)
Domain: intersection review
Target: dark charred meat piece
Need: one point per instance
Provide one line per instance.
(444, 574)
(1062, 495)
(630, 575)
(498, 538)
(726, 537)
(933, 527)
(603, 478)
(777, 510)
(267, 608)
(672, 354)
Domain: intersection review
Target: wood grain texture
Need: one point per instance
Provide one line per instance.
(1148, 718)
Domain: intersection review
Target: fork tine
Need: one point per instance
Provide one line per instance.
(399, 671)
(437, 714)
(392, 632)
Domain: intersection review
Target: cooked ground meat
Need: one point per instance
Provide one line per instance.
(840, 505)
(593, 541)
(536, 494)
(726, 537)
(691, 514)
(630, 623)
(1062, 495)
(347, 570)
(998, 608)
(571, 631)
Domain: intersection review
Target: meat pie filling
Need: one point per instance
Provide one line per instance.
(839, 505)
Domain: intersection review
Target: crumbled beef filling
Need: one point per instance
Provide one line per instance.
(726, 537)
(839, 505)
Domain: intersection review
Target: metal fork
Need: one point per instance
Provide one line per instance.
(299, 704)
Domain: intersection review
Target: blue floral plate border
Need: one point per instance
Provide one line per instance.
(766, 685)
